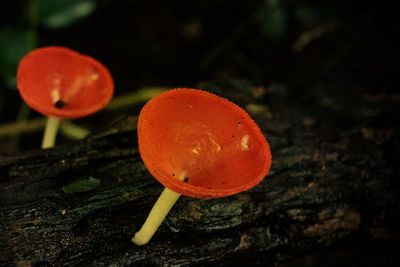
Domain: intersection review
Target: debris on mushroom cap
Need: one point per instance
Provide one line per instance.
(201, 145)
(60, 82)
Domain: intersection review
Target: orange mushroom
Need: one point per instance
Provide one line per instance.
(62, 83)
(199, 145)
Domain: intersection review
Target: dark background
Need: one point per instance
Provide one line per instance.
(180, 43)
(345, 50)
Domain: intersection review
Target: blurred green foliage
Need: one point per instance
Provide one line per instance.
(307, 15)
(16, 41)
(273, 20)
(57, 14)
(14, 45)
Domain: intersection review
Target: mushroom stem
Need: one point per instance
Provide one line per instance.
(157, 214)
(50, 132)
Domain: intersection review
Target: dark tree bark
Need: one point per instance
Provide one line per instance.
(333, 179)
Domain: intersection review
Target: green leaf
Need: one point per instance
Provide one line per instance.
(57, 14)
(14, 45)
(81, 185)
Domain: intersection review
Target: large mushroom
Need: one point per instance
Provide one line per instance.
(200, 145)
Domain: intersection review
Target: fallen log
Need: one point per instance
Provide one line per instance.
(332, 179)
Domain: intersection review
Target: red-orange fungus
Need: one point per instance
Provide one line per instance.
(201, 145)
(60, 82)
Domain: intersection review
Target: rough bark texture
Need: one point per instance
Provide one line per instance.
(333, 179)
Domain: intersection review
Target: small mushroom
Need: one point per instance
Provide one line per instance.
(62, 83)
(199, 145)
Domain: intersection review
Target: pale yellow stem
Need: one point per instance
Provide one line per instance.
(156, 216)
(50, 132)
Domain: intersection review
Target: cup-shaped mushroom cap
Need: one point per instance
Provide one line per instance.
(60, 82)
(201, 145)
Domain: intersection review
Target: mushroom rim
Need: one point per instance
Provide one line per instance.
(194, 191)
